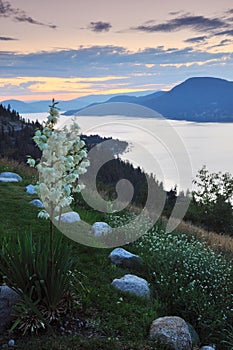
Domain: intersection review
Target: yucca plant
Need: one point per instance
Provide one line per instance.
(228, 342)
(44, 292)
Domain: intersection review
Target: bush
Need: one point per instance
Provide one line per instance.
(190, 280)
(44, 291)
(228, 338)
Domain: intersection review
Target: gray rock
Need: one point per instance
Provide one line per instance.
(37, 203)
(11, 342)
(208, 347)
(123, 258)
(10, 175)
(69, 218)
(133, 284)
(8, 298)
(30, 189)
(171, 331)
(101, 229)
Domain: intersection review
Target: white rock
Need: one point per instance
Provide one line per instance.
(30, 189)
(69, 217)
(101, 229)
(37, 203)
(122, 257)
(208, 347)
(171, 331)
(10, 175)
(8, 179)
(11, 342)
(133, 284)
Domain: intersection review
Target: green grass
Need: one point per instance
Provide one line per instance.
(117, 320)
(120, 321)
(77, 343)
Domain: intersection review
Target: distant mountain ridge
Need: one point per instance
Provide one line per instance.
(77, 103)
(119, 98)
(199, 99)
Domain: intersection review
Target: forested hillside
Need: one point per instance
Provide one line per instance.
(16, 135)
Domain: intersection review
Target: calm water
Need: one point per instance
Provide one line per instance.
(173, 150)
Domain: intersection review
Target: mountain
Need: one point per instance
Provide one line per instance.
(197, 99)
(77, 103)
(119, 98)
(200, 99)
(16, 105)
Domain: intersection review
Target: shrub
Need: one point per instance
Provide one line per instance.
(228, 338)
(44, 291)
(190, 279)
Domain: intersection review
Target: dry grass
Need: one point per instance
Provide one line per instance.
(15, 166)
(220, 243)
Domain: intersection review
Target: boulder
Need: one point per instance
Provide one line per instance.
(10, 175)
(172, 332)
(101, 229)
(123, 258)
(208, 347)
(37, 203)
(8, 298)
(30, 189)
(133, 284)
(69, 218)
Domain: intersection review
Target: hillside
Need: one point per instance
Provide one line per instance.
(81, 300)
(16, 135)
(101, 316)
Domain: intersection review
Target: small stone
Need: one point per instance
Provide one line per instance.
(37, 203)
(11, 342)
(101, 229)
(123, 258)
(69, 218)
(8, 179)
(30, 189)
(10, 175)
(133, 284)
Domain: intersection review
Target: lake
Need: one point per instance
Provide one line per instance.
(172, 150)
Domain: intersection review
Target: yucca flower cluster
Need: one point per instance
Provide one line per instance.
(64, 159)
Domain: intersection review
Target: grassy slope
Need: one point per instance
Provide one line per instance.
(118, 323)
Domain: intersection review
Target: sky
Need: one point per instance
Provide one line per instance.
(68, 49)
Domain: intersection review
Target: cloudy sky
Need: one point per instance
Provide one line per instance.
(72, 48)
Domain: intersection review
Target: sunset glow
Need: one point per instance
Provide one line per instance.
(68, 50)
